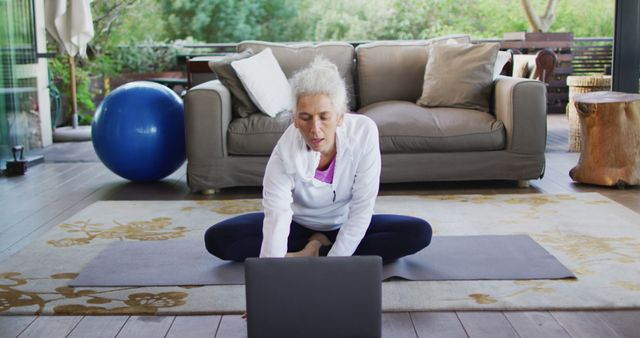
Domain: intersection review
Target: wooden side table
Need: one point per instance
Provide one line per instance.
(610, 144)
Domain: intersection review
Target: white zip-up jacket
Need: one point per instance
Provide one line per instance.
(290, 191)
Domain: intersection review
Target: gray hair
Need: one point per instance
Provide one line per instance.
(320, 77)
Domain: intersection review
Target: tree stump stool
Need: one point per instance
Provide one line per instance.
(610, 144)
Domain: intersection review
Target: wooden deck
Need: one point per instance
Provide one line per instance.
(52, 192)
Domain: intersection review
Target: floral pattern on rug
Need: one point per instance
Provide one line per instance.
(527, 199)
(481, 198)
(155, 229)
(136, 303)
(86, 300)
(481, 298)
(524, 288)
(584, 249)
(228, 207)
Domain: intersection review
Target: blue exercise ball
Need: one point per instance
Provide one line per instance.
(138, 131)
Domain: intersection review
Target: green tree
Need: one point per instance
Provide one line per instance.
(594, 19)
(320, 20)
(539, 23)
(352, 20)
(140, 20)
(417, 19)
(277, 21)
(230, 20)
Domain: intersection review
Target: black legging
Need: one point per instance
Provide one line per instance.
(388, 236)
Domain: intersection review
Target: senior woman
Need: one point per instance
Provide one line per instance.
(320, 186)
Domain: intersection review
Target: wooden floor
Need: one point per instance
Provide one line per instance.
(52, 192)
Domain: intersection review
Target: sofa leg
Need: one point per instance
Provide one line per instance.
(208, 192)
(524, 184)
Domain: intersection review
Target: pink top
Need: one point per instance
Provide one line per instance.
(326, 175)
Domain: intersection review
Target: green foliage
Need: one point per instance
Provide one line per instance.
(317, 20)
(592, 19)
(14, 27)
(59, 67)
(417, 19)
(230, 20)
(145, 56)
(219, 21)
(118, 22)
(341, 20)
(139, 20)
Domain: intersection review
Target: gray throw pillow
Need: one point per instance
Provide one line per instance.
(242, 104)
(459, 76)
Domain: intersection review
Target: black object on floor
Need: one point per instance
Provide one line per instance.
(20, 163)
(17, 166)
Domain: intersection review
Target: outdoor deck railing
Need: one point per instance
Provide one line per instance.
(589, 55)
(592, 55)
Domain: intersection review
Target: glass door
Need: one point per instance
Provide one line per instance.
(19, 117)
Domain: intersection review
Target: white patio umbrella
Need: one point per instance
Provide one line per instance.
(70, 23)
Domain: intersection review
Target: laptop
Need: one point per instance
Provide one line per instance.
(314, 296)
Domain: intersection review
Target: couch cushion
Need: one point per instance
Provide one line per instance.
(394, 70)
(256, 134)
(295, 57)
(242, 104)
(406, 127)
(459, 76)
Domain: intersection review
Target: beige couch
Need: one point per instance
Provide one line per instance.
(385, 80)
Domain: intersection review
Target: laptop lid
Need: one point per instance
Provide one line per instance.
(314, 296)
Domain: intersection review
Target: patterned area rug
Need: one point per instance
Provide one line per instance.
(596, 238)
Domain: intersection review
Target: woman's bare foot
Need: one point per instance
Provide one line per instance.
(312, 249)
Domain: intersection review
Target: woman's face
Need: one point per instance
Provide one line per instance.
(317, 120)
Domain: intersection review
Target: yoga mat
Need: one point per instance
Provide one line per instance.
(186, 262)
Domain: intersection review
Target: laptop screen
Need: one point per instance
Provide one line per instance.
(314, 296)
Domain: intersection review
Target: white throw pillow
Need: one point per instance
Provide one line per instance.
(501, 60)
(265, 82)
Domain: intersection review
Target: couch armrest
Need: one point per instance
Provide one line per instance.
(521, 104)
(207, 109)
